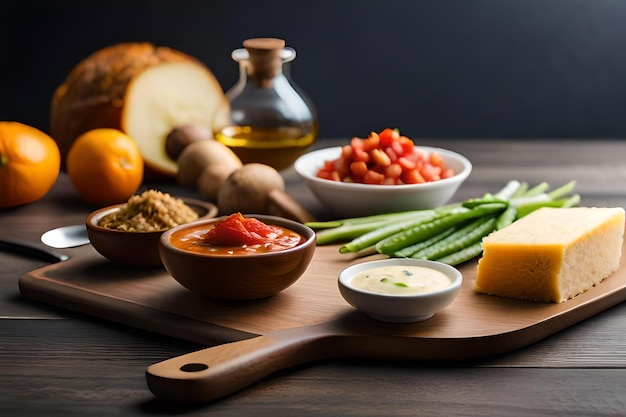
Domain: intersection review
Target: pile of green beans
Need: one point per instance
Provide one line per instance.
(451, 234)
(445, 237)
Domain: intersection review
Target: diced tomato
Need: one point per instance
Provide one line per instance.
(405, 163)
(325, 175)
(430, 172)
(373, 177)
(356, 143)
(358, 168)
(342, 169)
(236, 230)
(447, 173)
(397, 148)
(380, 158)
(393, 171)
(393, 157)
(346, 152)
(360, 155)
(435, 159)
(329, 165)
(412, 177)
(385, 158)
(388, 136)
(372, 142)
(407, 145)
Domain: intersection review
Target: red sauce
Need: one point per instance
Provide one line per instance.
(235, 235)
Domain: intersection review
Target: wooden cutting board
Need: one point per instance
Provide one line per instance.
(309, 321)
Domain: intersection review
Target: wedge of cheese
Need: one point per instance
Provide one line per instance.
(552, 255)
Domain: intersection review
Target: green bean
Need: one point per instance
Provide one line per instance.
(509, 190)
(410, 250)
(464, 255)
(537, 189)
(426, 230)
(370, 238)
(344, 233)
(460, 239)
(474, 202)
(572, 201)
(376, 218)
(502, 196)
(562, 190)
(507, 217)
(526, 208)
(521, 190)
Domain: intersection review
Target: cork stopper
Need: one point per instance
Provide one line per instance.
(265, 58)
(264, 44)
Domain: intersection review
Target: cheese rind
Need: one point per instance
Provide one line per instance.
(552, 254)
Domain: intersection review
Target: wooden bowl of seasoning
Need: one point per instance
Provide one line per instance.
(129, 233)
(238, 257)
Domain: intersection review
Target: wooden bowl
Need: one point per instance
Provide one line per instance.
(239, 277)
(135, 248)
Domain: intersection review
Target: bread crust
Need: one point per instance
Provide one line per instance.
(92, 96)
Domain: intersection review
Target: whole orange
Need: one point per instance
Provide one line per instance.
(105, 166)
(29, 163)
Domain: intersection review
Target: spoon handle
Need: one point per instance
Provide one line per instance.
(32, 251)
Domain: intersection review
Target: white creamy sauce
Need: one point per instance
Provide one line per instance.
(400, 279)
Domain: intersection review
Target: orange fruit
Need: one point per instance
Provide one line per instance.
(29, 163)
(105, 166)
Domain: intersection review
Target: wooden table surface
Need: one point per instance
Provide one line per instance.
(54, 362)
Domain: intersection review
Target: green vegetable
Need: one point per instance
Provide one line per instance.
(507, 217)
(460, 239)
(537, 189)
(347, 229)
(370, 238)
(426, 230)
(382, 231)
(410, 250)
(464, 255)
(451, 234)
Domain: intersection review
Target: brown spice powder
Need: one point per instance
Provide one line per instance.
(150, 211)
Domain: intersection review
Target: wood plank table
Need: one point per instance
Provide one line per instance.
(57, 362)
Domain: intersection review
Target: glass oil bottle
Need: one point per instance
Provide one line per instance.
(266, 119)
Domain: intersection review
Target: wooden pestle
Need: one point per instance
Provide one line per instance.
(282, 204)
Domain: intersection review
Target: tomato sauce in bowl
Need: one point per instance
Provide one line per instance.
(239, 257)
(235, 235)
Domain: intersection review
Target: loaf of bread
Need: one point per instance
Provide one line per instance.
(552, 255)
(140, 88)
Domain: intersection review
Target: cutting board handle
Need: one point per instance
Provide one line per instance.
(218, 371)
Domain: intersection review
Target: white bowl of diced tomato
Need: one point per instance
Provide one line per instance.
(383, 173)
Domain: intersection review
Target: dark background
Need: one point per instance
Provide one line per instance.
(433, 68)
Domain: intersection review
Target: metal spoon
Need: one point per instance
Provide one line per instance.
(66, 237)
(59, 238)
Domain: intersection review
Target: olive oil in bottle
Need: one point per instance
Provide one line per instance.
(266, 119)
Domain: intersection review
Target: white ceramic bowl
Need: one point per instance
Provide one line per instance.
(355, 200)
(400, 308)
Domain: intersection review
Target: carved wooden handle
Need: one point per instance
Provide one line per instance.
(283, 205)
(221, 370)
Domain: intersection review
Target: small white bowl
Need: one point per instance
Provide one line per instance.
(400, 308)
(355, 200)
